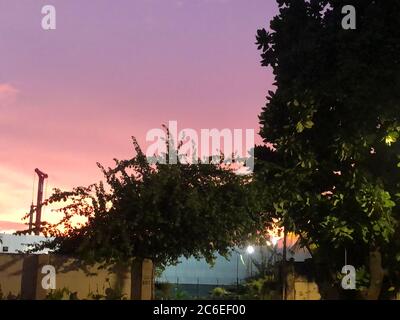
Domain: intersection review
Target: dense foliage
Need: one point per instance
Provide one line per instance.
(333, 120)
(156, 211)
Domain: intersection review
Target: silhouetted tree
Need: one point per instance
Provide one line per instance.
(333, 120)
(155, 211)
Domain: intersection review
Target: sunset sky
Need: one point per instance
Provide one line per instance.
(112, 69)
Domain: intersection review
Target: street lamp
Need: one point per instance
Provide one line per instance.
(238, 255)
(237, 270)
(250, 250)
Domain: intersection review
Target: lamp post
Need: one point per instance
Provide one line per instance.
(250, 250)
(237, 270)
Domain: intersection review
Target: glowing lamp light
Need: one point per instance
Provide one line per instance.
(250, 249)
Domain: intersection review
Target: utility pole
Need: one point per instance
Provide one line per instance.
(42, 176)
(32, 210)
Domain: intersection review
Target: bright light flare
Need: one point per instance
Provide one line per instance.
(274, 240)
(274, 233)
(250, 249)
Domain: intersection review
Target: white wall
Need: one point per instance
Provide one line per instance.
(16, 243)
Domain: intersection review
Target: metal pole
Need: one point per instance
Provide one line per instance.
(237, 270)
(31, 218)
(41, 176)
(197, 289)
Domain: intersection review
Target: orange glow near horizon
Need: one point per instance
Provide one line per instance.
(75, 96)
(274, 233)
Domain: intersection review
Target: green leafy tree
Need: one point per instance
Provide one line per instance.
(159, 211)
(332, 173)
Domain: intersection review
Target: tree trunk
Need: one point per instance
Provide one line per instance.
(136, 279)
(284, 274)
(377, 274)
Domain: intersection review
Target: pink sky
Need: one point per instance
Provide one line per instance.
(112, 69)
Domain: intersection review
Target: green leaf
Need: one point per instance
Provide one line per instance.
(309, 124)
(391, 138)
(299, 127)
